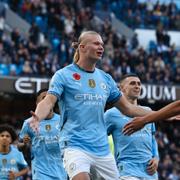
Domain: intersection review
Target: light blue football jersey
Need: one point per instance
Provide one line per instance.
(82, 97)
(46, 156)
(13, 161)
(132, 153)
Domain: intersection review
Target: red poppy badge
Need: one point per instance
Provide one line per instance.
(76, 76)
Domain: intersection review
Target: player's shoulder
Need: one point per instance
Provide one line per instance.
(66, 71)
(146, 108)
(66, 68)
(107, 77)
(14, 149)
(112, 111)
(54, 118)
(26, 121)
(102, 72)
(57, 116)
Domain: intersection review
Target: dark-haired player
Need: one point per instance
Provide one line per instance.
(12, 162)
(45, 150)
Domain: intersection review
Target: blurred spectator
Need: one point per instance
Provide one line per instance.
(34, 33)
(27, 70)
(159, 63)
(134, 42)
(2, 24)
(177, 75)
(177, 59)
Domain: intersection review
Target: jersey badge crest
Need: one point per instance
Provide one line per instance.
(4, 162)
(92, 83)
(48, 127)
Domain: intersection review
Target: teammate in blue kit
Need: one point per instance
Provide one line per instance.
(136, 155)
(82, 91)
(12, 163)
(46, 156)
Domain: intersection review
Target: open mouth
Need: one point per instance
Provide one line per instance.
(99, 54)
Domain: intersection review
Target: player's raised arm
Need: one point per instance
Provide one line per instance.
(129, 109)
(172, 109)
(42, 110)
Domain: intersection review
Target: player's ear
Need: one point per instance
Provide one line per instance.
(121, 87)
(82, 47)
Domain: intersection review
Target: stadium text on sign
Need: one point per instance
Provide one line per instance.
(29, 85)
(158, 92)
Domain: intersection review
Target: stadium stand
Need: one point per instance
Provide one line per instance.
(160, 61)
(60, 22)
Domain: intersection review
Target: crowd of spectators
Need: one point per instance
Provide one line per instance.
(59, 22)
(147, 14)
(168, 142)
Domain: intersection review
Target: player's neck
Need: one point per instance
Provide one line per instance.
(132, 101)
(86, 66)
(4, 149)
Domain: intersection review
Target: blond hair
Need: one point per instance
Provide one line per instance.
(75, 45)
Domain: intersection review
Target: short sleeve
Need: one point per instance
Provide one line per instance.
(56, 86)
(115, 94)
(22, 162)
(26, 130)
(108, 117)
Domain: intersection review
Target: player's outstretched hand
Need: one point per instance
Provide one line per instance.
(133, 126)
(34, 122)
(26, 139)
(152, 166)
(12, 175)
